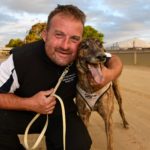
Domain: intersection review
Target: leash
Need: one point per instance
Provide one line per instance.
(37, 142)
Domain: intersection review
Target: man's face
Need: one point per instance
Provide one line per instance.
(62, 39)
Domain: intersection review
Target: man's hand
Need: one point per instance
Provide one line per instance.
(42, 102)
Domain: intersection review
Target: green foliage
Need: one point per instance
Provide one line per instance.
(91, 32)
(35, 32)
(33, 35)
(15, 43)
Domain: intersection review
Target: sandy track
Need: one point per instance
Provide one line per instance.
(135, 89)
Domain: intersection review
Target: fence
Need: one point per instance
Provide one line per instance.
(128, 57)
(133, 57)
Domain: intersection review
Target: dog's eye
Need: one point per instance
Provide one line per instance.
(102, 58)
(85, 46)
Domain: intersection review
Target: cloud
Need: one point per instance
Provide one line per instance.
(125, 18)
(16, 25)
(34, 6)
(115, 18)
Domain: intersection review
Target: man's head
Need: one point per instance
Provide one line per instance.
(63, 33)
(68, 10)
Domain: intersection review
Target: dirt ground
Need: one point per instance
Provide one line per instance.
(135, 89)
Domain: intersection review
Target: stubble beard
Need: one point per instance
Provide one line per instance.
(61, 61)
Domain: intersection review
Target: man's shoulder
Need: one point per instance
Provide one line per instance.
(27, 53)
(28, 48)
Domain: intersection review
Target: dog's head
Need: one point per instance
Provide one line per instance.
(90, 59)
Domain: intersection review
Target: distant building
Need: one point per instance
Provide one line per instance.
(5, 50)
(134, 43)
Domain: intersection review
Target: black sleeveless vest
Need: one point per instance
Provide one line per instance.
(36, 72)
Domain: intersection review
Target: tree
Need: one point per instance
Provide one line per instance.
(91, 32)
(15, 43)
(35, 32)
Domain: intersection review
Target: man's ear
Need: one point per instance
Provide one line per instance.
(44, 35)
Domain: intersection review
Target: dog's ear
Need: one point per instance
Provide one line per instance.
(101, 46)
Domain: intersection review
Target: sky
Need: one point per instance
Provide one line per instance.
(118, 20)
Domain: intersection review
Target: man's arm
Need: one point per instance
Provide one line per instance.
(115, 67)
(40, 102)
(112, 70)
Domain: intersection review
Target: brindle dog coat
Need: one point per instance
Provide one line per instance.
(90, 96)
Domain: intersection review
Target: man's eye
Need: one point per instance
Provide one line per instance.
(75, 40)
(58, 35)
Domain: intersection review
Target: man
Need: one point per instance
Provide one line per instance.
(27, 79)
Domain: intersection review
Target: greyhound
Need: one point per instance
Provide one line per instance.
(90, 96)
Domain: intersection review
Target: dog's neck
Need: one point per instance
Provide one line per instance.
(83, 83)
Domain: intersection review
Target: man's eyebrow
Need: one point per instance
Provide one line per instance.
(58, 31)
(76, 37)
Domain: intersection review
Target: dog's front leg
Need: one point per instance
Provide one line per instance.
(105, 109)
(84, 112)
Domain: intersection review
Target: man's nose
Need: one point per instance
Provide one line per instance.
(65, 43)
